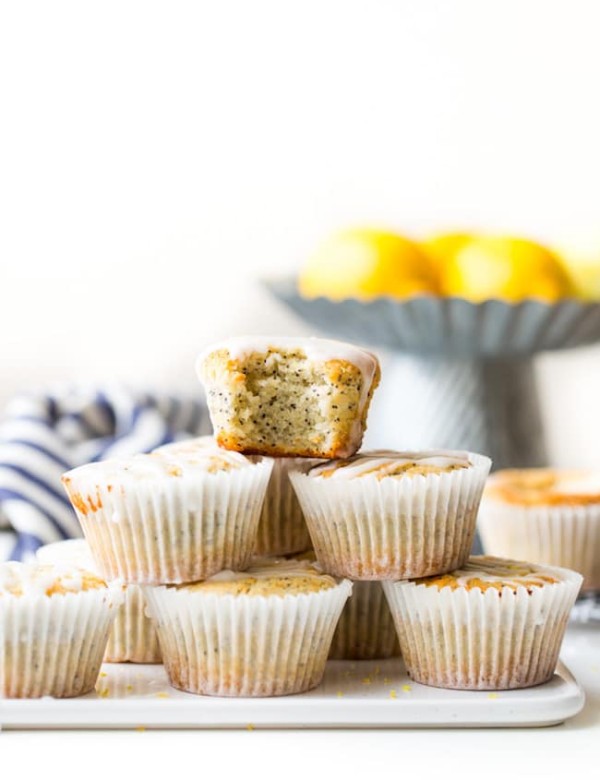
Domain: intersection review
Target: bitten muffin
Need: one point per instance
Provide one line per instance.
(54, 626)
(132, 637)
(162, 518)
(289, 397)
(494, 624)
(263, 632)
(282, 529)
(546, 515)
(392, 515)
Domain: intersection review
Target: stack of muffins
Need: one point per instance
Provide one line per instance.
(235, 557)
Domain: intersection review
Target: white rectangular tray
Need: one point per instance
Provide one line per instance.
(353, 695)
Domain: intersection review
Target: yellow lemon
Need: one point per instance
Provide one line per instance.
(505, 267)
(365, 263)
(581, 258)
(442, 246)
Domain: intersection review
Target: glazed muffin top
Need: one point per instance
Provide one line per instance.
(75, 552)
(189, 446)
(266, 577)
(240, 348)
(389, 463)
(488, 572)
(84, 482)
(544, 487)
(28, 579)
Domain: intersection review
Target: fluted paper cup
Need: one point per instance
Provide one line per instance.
(282, 529)
(181, 530)
(491, 640)
(132, 637)
(366, 630)
(559, 535)
(381, 529)
(54, 645)
(225, 645)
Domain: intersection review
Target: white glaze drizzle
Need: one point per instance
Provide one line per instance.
(383, 462)
(267, 568)
(31, 579)
(494, 570)
(73, 552)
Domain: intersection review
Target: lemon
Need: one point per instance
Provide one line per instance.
(365, 263)
(505, 267)
(442, 246)
(581, 257)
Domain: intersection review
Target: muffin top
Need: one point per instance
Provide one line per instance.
(29, 579)
(266, 577)
(486, 572)
(189, 446)
(239, 348)
(389, 463)
(84, 483)
(75, 552)
(544, 487)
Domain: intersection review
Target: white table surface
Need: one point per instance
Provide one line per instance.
(567, 751)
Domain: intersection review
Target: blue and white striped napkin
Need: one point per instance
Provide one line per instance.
(44, 435)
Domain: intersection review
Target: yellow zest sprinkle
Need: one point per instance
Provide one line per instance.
(492, 696)
(104, 693)
(393, 694)
(103, 674)
(250, 727)
(129, 688)
(340, 694)
(407, 688)
(140, 728)
(367, 681)
(162, 695)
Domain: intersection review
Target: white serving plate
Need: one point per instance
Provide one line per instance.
(365, 694)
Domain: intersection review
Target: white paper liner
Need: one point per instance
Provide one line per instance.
(380, 529)
(54, 645)
(175, 530)
(282, 529)
(133, 638)
(495, 640)
(224, 645)
(567, 536)
(366, 629)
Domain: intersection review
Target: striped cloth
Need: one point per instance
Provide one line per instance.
(42, 436)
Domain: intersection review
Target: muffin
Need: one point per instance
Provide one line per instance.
(366, 630)
(263, 632)
(289, 397)
(132, 637)
(54, 625)
(161, 518)
(392, 515)
(546, 515)
(494, 624)
(282, 529)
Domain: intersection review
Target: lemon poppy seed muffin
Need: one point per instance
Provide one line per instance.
(391, 515)
(282, 529)
(289, 397)
(546, 515)
(132, 637)
(493, 624)
(54, 626)
(265, 631)
(162, 518)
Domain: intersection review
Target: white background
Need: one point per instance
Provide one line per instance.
(158, 158)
